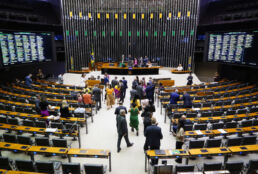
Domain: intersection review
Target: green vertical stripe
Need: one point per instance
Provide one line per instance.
(192, 32)
(103, 33)
(76, 33)
(67, 32)
(164, 33)
(129, 33)
(146, 33)
(85, 33)
(112, 33)
(138, 33)
(182, 32)
(173, 33)
(155, 33)
(121, 33)
(94, 33)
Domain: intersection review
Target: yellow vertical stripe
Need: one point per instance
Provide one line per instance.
(71, 14)
(179, 14)
(169, 15)
(134, 16)
(116, 16)
(143, 16)
(160, 15)
(80, 14)
(98, 15)
(107, 15)
(188, 14)
(125, 16)
(89, 15)
(151, 15)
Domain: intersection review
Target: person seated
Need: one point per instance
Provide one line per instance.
(28, 80)
(180, 67)
(217, 77)
(135, 62)
(149, 64)
(40, 74)
(64, 110)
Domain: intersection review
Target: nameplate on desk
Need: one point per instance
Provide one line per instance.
(51, 130)
(160, 152)
(222, 131)
(198, 132)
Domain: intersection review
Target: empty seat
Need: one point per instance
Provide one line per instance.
(41, 124)
(188, 127)
(234, 167)
(185, 168)
(212, 166)
(242, 111)
(231, 124)
(255, 122)
(24, 165)
(42, 141)
(191, 115)
(193, 144)
(252, 166)
(57, 125)
(13, 121)
(232, 112)
(206, 114)
(217, 126)
(9, 138)
(29, 123)
(45, 167)
(236, 141)
(94, 168)
(59, 143)
(248, 140)
(204, 105)
(3, 119)
(246, 123)
(217, 113)
(5, 163)
(213, 143)
(79, 115)
(71, 168)
(200, 127)
(24, 140)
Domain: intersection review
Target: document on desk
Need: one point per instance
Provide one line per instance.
(51, 130)
(222, 131)
(199, 132)
(196, 109)
(174, 152)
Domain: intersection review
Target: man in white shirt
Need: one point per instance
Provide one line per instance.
(180, 68)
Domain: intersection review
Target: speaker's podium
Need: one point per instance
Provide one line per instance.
(123, 69)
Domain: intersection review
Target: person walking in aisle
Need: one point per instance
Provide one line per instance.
(125, 85)
(117, 110)
(28, 80)
(153, 136)
(180, 137)
(110, 96)
(122, 91)
(114, 82)
(187, 100)
(150, 92)
(140, 91)
(134, 122)
(97, 96)
(174, 97)
(122, 130)
(190, 79)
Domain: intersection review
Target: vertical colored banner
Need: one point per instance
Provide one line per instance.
(134, 16)
(80, 14)
(188, 13)
(179, 14)
(116, 16)
(71, 14)
(189, 63)
(98, 15)
(125, 16)
(160, 15)
(72, 64)
(89, 15)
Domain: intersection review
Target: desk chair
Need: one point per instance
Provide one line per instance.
(41, 124)
(206, 114)
(73, 168)
(188, 127)
(231, 124)
(246, 123)
(60, 143)
(24, 140)
(45, 167)
(236, 141)
(213, 143)
(255, 122)
(94, 168)
(42, 141)
(194, 144)
(163, 169)
(212, 166)
(242, 111)
(5, 163)
(217, 113)
(249, 140)
(184, 168)
(234, 167)
(3, 119)
(217, 126)
(191, 115)
(9, 138)
(252, 166)
(13, 121)
(200, 127)
(232, 112)
(29, 123)
(56, 125)
(24, 165)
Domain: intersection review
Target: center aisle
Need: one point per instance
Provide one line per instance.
(103, 132)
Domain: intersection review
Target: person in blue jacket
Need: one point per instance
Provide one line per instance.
(174, 97)
(28, 80)
(150, 92)
(187, 100)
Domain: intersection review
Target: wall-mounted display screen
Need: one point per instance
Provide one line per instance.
(25, 47)
(234, 47)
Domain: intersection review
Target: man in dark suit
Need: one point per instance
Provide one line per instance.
(150, 92)
(114, 82)
(139, 90)
(97, 96)
(187, 100)
(174, 97)
(122, 91)
(117, 111)
(153, 136)
(125, 85)
(122, 130)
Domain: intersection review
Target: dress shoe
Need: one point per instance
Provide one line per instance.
(130, 145)
(137, 133)
(118, 150)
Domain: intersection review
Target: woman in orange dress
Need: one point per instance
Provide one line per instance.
(110, 96)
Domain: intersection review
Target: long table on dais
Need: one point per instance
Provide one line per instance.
(130, 71)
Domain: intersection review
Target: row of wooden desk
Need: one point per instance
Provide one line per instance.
(202, 152)
(218, 132)
(3, 171)
(57, 151)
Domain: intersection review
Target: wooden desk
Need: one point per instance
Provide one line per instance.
(217, 172)
(245, 148)
(89, 153)
(196, 134)
(79, 71)
(167, 82)
(174, 71)
(21, 172)
(189, 173)
(170, 153)
(13, 147)
(130, 71)
(3, 171)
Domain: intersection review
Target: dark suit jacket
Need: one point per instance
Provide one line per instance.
(121, 125)
(174, 97)
(153, 136)
(187, 100)
(117, 111)
(96, 94)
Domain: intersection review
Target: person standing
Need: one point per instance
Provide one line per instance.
(83, 80)
(125, 85)
(140, 91)
(153, 136)
(37, 101)
(174, 97)
(190, 79)
(114, 82)
(134, 122)
(117, 110)
(110, 96)
(64, 110)
(122, 91)
(150, 92)
(44, 106)
(133, 93)
(117, 92)
(106, 79)
(135, 83)
(180, 138)
(28, 80)
(187, 100)
(40, 74)
(122, 130)
(97, 96)
(87, 99)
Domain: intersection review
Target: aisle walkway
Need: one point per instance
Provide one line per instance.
(103, 134)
